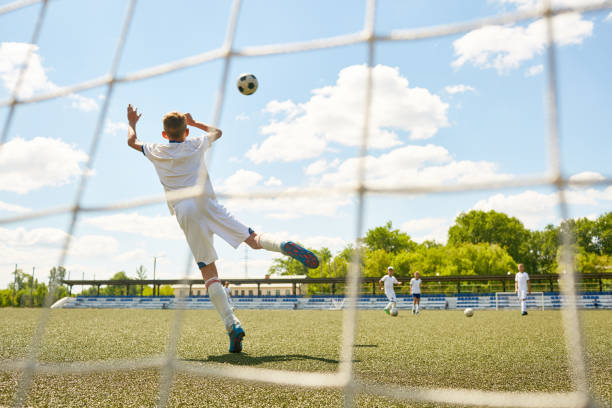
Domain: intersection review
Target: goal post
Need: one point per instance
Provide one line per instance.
(510, 300)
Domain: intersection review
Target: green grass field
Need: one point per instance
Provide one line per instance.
(490, 351)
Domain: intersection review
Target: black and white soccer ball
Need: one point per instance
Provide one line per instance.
(247, 84)
(394, 311)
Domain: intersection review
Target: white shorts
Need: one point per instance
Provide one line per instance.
(200, 220)
(522, 294)
(391, 297)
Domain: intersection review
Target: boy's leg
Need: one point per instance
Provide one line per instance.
(234, 233)
(289, 248)
(218, 297)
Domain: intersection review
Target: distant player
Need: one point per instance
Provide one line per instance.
(179, 164)
(522, 287)
(387, 283)
(228, 292)
(415, 291)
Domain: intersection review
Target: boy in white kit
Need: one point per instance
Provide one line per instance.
(522, 287)
(179, 165)
(415, 290)
(388, 281)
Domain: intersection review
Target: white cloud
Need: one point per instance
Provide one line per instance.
(609, 17)
(13, 208)
(241, 181)
(334, 115)
(133, 255)
(242, 116)
(428, 228)
(507, 47)
(273, 182)
(113, 128)
(12, 57)
(159, 226)
(455, 89)
(537, 209)
(287, 207)
(27, 165)
(320, 166)
(414, 165)
(529, 4)
(45, 245)
(534, 70)
(586, 176)
(83, 103)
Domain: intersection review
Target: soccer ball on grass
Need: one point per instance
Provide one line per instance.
(469, 312)
(394, 311)
(247, 84)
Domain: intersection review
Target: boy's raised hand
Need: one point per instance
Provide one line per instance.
(189, 120)
(132, 115)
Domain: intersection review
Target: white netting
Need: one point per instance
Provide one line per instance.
(344, 377)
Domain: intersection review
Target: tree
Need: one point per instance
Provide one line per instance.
(287, 266)
(604, 233)
(141, 273)
(115, 290)
(57, 275)
(540, 250)
(388, 239)
(489, 227)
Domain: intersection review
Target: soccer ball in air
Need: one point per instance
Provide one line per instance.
(247, 84)
(469, 312)
(394, 311)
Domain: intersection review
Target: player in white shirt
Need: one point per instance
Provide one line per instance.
(180, 164)
(415, 291)
(522, 287)
(387, 283)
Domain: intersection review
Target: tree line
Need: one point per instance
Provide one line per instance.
(479, 243)
(27, 291)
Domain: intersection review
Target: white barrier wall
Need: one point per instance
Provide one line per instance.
(551, 301)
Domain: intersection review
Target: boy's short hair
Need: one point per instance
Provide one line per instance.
(174, 125)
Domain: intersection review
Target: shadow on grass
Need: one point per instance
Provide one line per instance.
(365, 345)
(248, 360)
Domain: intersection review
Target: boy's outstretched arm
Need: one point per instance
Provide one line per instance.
(213, 132)
(133, 116)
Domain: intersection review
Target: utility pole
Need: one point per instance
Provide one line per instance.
(32, 288)
(15, 286)
(154, 269)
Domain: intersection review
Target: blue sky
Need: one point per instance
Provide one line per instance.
(463, 108)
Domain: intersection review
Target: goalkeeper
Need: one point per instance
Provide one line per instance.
(179, 164)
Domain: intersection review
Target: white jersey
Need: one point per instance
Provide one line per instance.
(522, 278)
(178, 164)
(389, 281)
(228, 291)
(415, 285)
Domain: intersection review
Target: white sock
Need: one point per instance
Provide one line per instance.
(417, 308)
(269, 243)
(523, 306)
(219, 298)
(388, 305)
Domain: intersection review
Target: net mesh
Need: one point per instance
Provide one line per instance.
(344, 378)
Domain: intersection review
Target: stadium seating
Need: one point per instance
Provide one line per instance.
(591, 300)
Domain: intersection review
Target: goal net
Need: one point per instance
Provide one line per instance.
(510, 300)
(369, 37)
